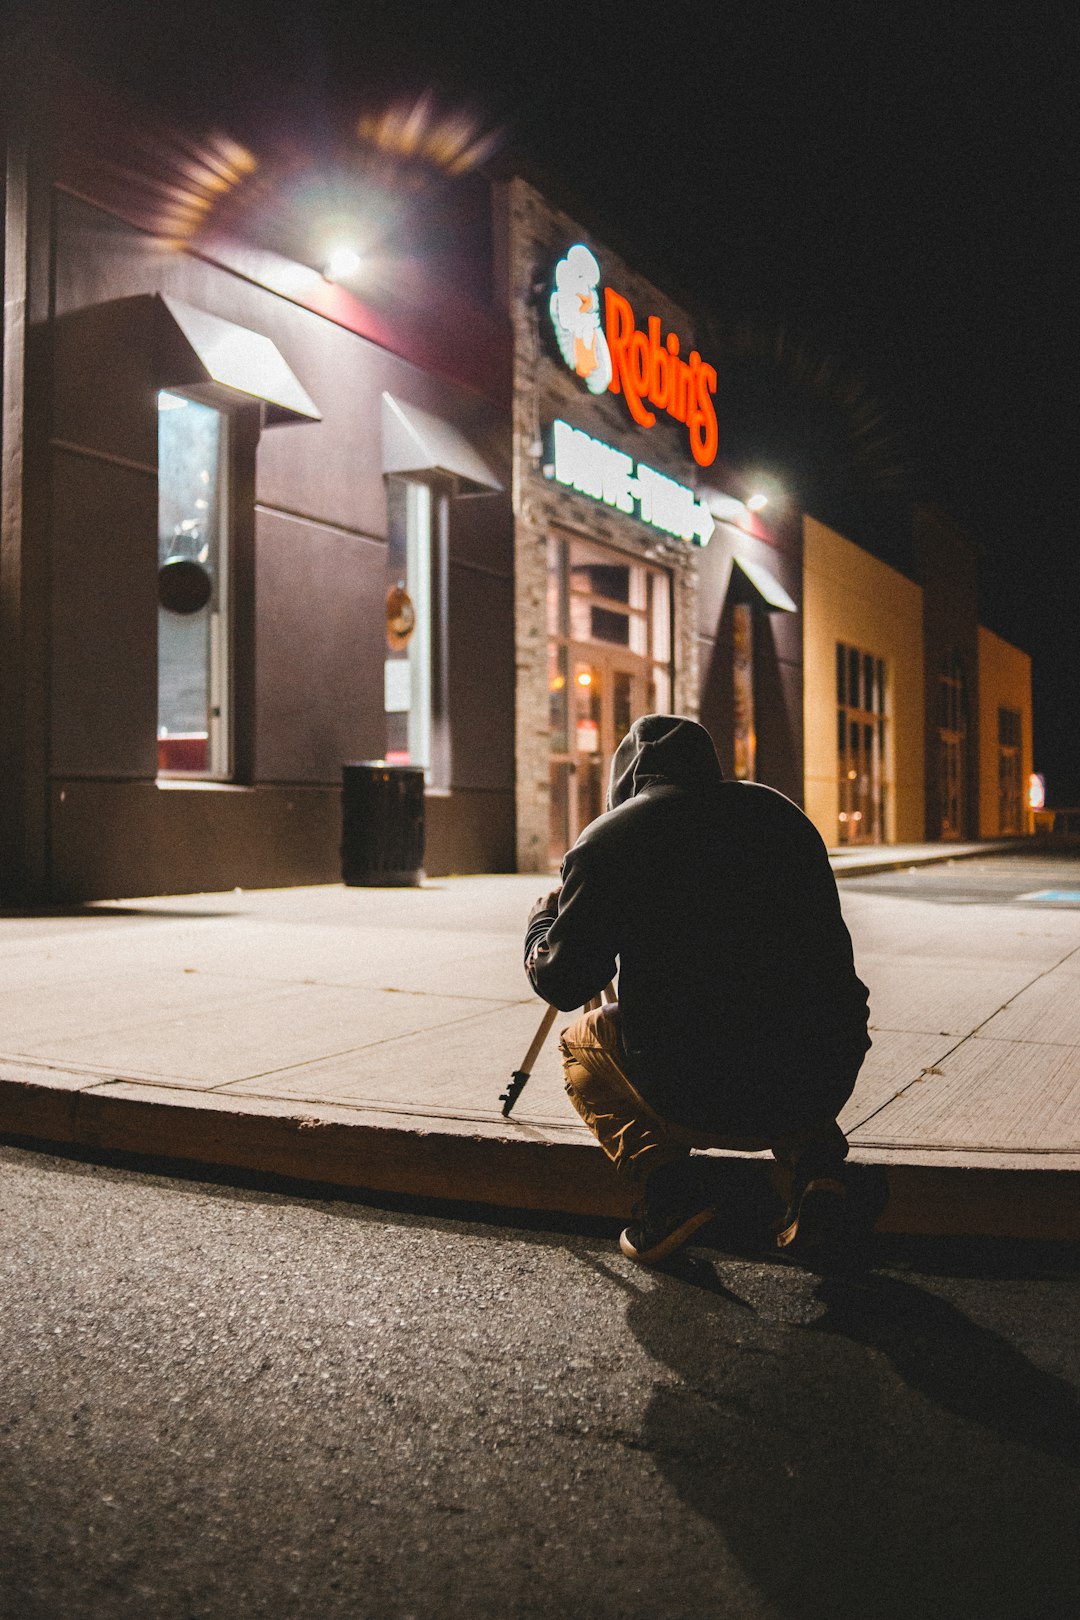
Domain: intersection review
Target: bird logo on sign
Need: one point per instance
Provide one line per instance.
(575, 315)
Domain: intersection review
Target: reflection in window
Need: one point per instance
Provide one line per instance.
(193, 641)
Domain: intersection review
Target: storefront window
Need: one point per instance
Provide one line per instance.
(414, 701)
(1010, 795)
(609, 661)
(193, 589)
(861, 720)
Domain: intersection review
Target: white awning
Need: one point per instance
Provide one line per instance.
(416, 442)
(223, 356)
(767, 586)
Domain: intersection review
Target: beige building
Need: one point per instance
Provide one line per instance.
(916, 720)
(863, 694)
(1005, 743)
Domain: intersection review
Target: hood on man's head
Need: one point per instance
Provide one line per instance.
(663, 748)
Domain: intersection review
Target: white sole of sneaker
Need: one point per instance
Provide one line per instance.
(668, 1245)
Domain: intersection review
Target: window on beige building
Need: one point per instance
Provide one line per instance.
(861, 719)
(1010, 789)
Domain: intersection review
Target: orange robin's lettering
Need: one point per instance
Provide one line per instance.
(645, 366)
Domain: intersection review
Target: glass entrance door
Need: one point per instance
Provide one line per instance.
(604, 695)
(609, 661)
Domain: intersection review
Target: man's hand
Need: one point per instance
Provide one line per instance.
(547, 902)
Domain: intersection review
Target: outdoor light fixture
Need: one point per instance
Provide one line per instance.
(342, 263)
(757, 502)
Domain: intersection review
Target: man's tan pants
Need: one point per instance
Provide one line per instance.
(632, 1134)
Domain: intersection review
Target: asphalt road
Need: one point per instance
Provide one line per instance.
(223, 1401)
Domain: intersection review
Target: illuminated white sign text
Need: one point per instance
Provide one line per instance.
(605, 474)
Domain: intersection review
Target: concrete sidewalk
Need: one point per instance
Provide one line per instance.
(362, 1037)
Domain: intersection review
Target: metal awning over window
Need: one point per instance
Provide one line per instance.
(216, 359)
(767, 586)
(415, 442)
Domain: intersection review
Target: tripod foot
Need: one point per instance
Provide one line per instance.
(513, 1091)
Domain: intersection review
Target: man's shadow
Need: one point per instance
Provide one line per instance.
(887, 1458)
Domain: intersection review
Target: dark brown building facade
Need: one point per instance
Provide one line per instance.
(217, 467)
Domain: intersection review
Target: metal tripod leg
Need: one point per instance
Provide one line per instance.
(519, 1076)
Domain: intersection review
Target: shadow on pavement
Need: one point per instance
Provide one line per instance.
(883, 1458)
(97, 911)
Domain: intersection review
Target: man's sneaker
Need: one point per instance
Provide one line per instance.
(814, 1221)
(670, 1212)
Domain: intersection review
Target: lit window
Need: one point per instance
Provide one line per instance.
(415, 701)
(862, 756)
(193, 589)
(1010, 780)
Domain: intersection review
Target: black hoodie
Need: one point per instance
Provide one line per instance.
(741, 1011)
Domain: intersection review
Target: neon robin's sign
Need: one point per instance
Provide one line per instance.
(641, 363)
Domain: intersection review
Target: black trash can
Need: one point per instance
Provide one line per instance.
(382, 824)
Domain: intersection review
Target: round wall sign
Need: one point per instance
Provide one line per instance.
(400, 616)
(184, 585)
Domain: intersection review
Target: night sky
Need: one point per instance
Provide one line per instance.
(877, 202)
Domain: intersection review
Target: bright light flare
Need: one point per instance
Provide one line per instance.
(205, 172)
(342, 262)
(453, 140)
(757, 502)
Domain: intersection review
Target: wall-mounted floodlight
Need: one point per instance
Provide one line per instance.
(342, 263)
(757, 502)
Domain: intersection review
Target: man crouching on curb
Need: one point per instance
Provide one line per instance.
(740, 1021)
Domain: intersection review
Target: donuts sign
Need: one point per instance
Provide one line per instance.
(613, 353)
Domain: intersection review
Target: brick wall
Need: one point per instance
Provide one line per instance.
(536, 235)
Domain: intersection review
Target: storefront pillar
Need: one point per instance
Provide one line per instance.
(24, 483)
(532, 725)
